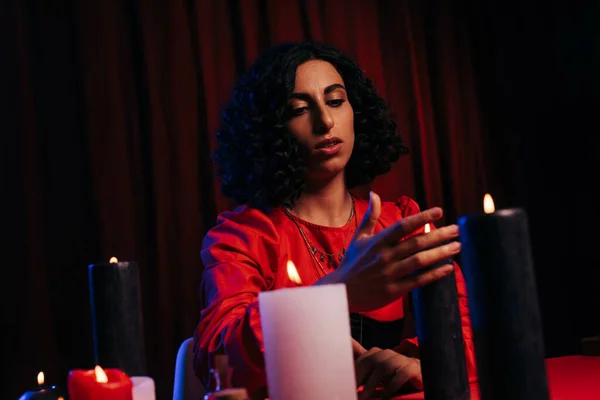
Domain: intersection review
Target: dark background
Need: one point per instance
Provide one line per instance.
(109, 114)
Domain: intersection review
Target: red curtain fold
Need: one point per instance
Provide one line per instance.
(118, 104)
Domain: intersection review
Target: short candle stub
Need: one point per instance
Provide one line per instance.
(42, 391)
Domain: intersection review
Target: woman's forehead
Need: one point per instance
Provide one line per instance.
(315, 76)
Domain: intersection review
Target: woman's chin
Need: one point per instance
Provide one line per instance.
(327, 169)
(325, 172)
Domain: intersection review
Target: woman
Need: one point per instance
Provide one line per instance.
(303, 128)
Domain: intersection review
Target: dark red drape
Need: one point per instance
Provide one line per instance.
(111, 110)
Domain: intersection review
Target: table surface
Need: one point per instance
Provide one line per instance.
(569, 378)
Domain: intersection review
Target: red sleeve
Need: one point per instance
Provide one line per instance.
(466, 324)
(409, 207)
(239, 256)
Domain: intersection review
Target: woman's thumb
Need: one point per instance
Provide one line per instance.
(367, 225)
(357, 349)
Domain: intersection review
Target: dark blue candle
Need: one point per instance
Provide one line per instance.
(42, 392)
(498, 269)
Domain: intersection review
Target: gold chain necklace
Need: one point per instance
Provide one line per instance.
(314, 250)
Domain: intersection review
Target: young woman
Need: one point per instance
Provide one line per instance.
(303, 128)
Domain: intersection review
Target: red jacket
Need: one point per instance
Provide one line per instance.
(246, 253)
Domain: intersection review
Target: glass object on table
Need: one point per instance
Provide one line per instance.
(221, 382)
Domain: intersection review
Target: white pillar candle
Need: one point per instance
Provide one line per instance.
(307, 339)
(143, 388)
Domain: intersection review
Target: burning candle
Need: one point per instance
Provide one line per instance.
(117, 316)
(42, 392)
(99, 384)
(441, 347)
(307, 342)
(498, 269)
(292, 273)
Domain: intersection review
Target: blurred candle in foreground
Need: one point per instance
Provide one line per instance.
(308, 350)
(42, 392)
(143, 388)
(99, 384)
(503, 304)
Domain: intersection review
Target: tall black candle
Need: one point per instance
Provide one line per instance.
(441, 346)
(117, 317)
(498, 269)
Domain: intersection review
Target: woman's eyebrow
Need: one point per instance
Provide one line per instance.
(305, 96)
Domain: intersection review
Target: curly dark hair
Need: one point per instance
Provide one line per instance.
(260, 164)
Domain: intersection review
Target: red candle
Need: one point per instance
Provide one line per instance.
(99, 384)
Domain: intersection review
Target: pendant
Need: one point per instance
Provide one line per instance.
(331, 259)
(314, 250)
(322, 257)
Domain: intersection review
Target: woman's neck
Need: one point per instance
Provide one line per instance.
(327, 203)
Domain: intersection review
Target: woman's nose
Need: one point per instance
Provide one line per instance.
(323, 122)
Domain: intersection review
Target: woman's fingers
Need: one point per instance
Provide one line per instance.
(412, 282)
(411, 372)
(377, 367)
(398, 262)
(406, 226)
(369, 221)
(380, 374)
(357, 349)
(424, 241)
(364, 364)
(385, 367)
(418, 243)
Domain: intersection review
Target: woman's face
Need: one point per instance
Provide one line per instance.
(322, 119)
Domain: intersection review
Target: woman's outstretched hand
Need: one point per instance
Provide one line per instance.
(377, 268)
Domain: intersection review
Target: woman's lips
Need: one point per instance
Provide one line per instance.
(329, 146)
(329, 150)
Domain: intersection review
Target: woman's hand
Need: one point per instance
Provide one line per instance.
(387, 368)
(377, 268)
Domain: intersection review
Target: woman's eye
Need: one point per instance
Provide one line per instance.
(336, 102)
(299, 110)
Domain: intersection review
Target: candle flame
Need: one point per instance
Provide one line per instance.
(293, 273)
(113, 260)
(60, 398)
(488, 204)
(40, 378)
(100, 375)
(427, 228)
